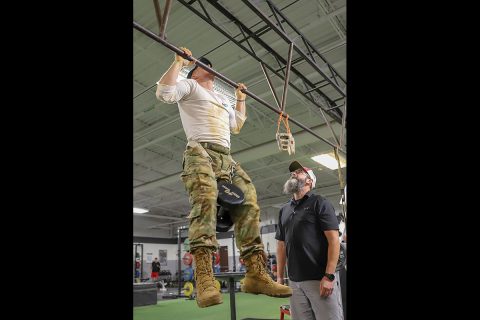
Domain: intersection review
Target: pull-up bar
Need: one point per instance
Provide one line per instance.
(226, 80)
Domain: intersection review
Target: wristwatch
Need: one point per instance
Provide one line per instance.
(330, 276)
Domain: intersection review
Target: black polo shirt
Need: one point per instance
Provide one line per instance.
(300, 225)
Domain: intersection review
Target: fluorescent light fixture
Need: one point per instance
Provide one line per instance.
(139, 210)
(328, 160)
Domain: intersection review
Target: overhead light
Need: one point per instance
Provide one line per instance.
(139, 210)
(328, 160)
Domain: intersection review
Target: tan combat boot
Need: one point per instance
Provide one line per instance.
(207, 294)
(257, 280)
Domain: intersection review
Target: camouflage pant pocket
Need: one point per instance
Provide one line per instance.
(196, 211)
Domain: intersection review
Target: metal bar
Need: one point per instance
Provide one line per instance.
(318, 87)
(179, 230)
(245, 37)
(317, 83)
(158, 12)
(233, 247)
(141, 264)
(344, 117)
(262, 30)
(280, 65)
(308, 48)
(275, 15)
(153, 85)
(309, 91)
(340, 174)
(203, 8)
(329, 127)
(333, 73)
(294, 62)
(322, 86)
(225, 79)
(285, 86)
(270, 85)
(303, 37)
(336, 107)
(334, 115)
(233, 309)
(166, 13)
(255, 9)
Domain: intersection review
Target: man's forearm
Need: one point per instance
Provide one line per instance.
(240, 107)
(170, 77)
(333, 255)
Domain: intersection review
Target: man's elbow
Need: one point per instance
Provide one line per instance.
(166, 97)
(158, 95)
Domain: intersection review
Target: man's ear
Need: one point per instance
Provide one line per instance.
(311, 182)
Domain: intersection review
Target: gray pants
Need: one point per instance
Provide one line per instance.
(307, 304)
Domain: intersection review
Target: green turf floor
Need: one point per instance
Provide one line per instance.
(249, 306)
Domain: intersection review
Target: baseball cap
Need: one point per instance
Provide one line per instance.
(202, 59)
(295, 165)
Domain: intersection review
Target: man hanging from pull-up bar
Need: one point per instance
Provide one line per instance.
(208, 119)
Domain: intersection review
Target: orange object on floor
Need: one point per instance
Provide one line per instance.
(284, 309)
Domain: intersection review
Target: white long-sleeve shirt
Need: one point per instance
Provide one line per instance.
(206, 116)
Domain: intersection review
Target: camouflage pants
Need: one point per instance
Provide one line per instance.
(202, 168)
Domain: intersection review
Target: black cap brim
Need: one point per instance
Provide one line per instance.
(295, 165)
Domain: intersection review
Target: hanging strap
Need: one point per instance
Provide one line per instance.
(340, 175)
(285, 122)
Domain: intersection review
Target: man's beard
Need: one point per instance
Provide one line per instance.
(293, 185)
